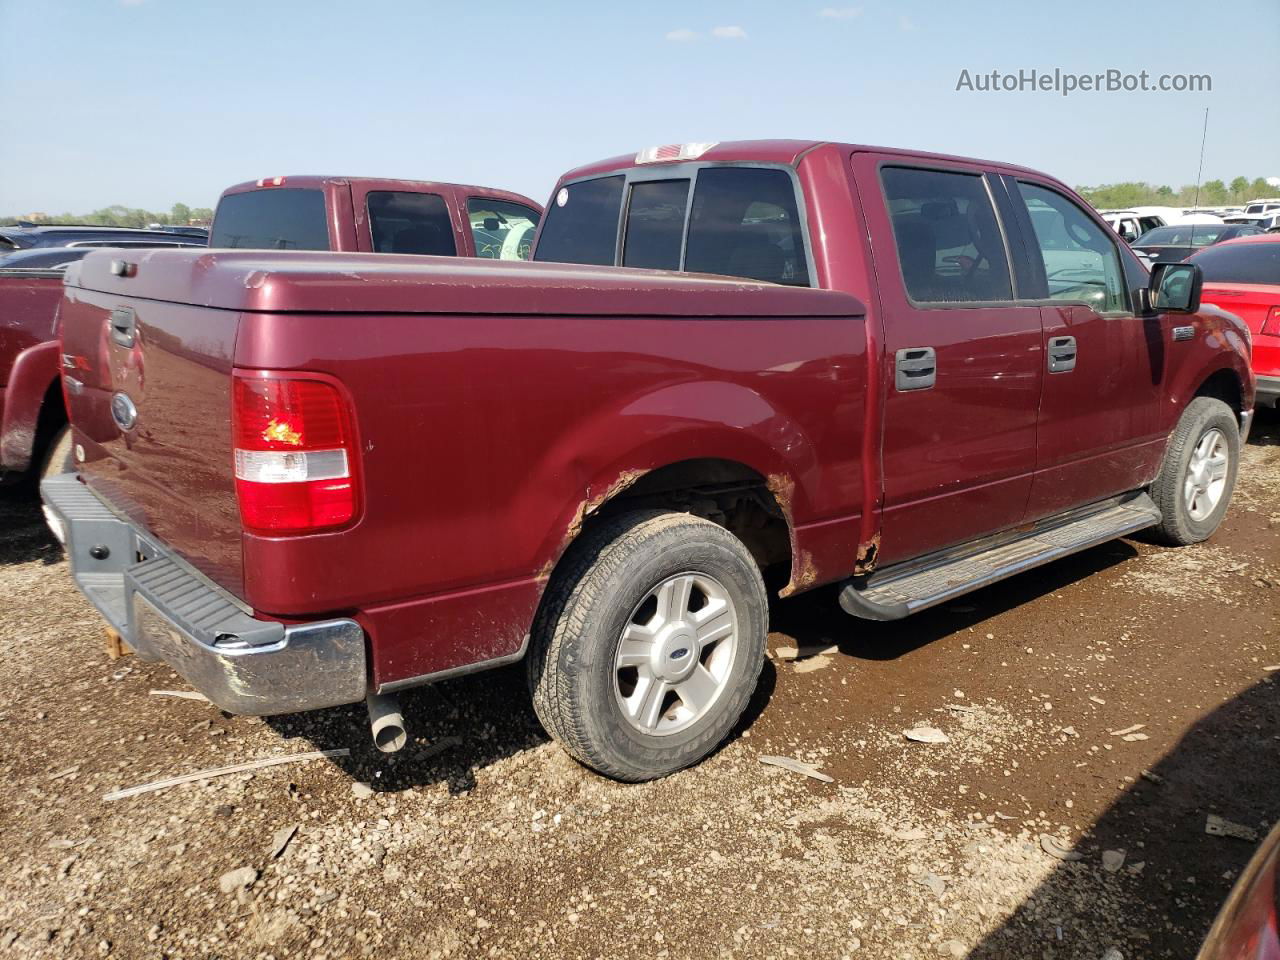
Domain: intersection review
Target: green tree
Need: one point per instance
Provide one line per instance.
(180, 214)
(1213, 192)
(1164, 192)
(1260, 188)
(1239, 187)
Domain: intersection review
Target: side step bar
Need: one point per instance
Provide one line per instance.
(904, 589)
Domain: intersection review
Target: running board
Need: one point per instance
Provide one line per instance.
(901, 590)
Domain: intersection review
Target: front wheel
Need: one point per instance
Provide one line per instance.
(649, 644)
(1198, 474)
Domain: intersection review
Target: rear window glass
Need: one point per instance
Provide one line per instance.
(403, 222)
(502, 230)
(745, 223)
(582, 223)
(1188, 235)
(1241, 263)
(655, 224)
(275, 219)
(949, 244)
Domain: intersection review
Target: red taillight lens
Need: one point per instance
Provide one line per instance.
(294, 454)
(1271, 325)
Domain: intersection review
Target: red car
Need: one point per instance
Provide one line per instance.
(1243, 277)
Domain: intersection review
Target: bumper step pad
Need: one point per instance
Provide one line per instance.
(897, 592)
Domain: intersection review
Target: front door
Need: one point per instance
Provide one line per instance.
(1099, 431)
(962, 360)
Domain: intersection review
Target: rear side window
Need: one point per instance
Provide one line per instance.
(275, 219)
(655, 224)
(949, 245)
(582, 223)
(403, 222)
(745, 223)
(1241, 263)
(502, 230)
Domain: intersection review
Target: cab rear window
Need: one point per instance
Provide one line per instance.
(581, 224)
(743, 222)
(274, 219)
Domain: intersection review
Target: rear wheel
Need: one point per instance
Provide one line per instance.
(648, 644)
(1193, 489)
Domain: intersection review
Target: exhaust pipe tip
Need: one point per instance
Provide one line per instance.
(386, 722)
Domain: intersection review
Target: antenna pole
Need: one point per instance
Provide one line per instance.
(1204, 135)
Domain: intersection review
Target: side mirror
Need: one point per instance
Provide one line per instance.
(1175, 287)
(1128, 236)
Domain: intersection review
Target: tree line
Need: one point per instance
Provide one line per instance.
(1213, 193)
(179, 215)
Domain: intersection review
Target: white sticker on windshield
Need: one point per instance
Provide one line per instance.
(562, 197)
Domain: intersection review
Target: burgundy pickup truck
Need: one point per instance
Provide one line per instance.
(294, 213)
(308, 479)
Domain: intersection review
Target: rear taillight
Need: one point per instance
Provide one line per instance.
(295, 454)
(1271, 325)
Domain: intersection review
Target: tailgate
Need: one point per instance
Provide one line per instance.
(148, 387)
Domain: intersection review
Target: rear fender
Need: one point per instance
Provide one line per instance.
(34, 372)
(707, 420)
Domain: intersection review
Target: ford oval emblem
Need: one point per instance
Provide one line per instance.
(680, 654)
(123, 411)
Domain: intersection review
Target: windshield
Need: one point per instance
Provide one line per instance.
(1256, 262)
(1186, 235)
(271, 219)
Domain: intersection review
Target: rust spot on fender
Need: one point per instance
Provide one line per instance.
(803, 576)
(783, 489)
(590, 505)
(867, 552)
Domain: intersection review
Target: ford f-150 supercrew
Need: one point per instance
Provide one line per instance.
(308, 479)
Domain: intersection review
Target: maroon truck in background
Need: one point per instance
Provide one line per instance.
(307, 479)
(308, 213)
(373, 215)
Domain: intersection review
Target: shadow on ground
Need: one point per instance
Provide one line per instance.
(1266, 427)
(26, 536)
(1227, 764)
(816, 618)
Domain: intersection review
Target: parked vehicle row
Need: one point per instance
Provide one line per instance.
(906, 374)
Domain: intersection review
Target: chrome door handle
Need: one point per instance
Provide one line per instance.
(1062, 354)
(916, 368)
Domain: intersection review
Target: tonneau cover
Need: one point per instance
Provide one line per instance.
(323, 282)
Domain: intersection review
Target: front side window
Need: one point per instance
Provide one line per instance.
(271, 219)
(502, 230)
(403, 222)
(582, 223)
(948, 239)
(745, 223)
(655, 224)
(1081, 262)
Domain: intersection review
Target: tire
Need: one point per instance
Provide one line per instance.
(671, 581)
(58, 458)
(1206, 427)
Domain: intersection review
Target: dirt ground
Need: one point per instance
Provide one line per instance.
(483, 839)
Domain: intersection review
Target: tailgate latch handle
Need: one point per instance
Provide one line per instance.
(123, 326)
(916, 368)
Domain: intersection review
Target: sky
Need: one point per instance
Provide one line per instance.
(149, 102)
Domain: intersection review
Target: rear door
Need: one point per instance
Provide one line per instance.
(963, 358)
(1103, 365)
